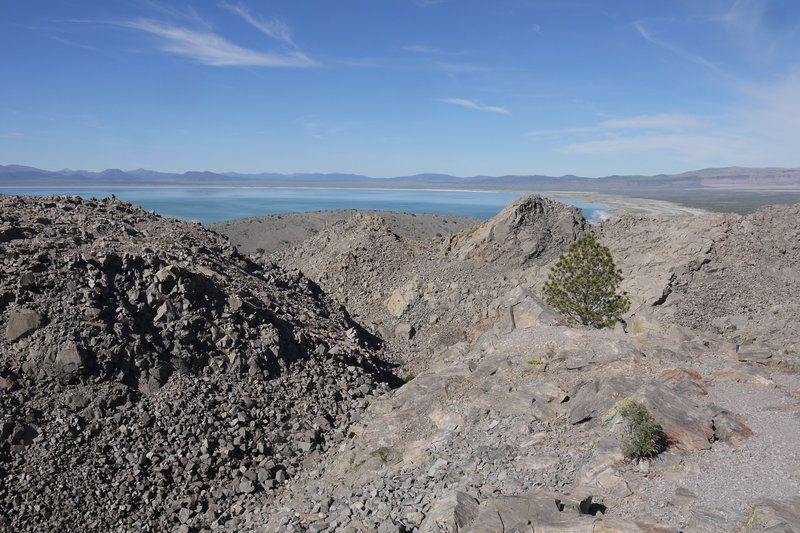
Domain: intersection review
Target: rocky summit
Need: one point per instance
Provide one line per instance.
(152, 378)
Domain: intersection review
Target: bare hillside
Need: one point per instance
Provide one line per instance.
(153, 378)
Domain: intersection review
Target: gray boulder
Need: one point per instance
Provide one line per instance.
(21, 323)
(451, 513)
(71, 360)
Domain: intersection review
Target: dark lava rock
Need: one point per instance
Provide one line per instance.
(161, 381)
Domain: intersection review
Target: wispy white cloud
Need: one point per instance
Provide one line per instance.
(687, 148)
(761, 132)
(744, 16)
(770, 122)
(561, 131)
(431, 50)
(208, 48)
(275, 28)
(694, 58)
(455, 67)
(473, 105)
(421, 49)
(688, 139)
(658, 122)
(763, 31)
(185, 13)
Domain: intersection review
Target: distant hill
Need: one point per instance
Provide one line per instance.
(710, 179)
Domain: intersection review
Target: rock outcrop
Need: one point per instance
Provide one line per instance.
(521, 410)
(727, 274)
(530, 228)
(518, 429)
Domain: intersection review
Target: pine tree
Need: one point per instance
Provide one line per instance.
(583, 285)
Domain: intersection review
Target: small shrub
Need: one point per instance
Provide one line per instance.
(583, 285)
(382, 454)
(260, 250)
(644, 436)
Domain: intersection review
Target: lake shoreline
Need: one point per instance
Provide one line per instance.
(216, 204)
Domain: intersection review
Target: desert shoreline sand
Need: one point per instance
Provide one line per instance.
(629, 205)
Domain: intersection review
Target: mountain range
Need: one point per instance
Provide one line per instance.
(720, 179)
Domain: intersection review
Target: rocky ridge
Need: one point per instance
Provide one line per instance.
(723, 274)
(273, 233)
(520, 388)
(518, 431)
(731, 275)
(152, 378)
(421, 296)
(168, 382)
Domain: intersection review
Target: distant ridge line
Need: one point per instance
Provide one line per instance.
(727, 178)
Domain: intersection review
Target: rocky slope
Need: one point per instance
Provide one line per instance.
(728, 274)
(720, 273)
(151, 378)
(519, 412)
(273, 233)
(517, 428)
(421, 296)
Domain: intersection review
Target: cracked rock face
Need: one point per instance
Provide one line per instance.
(726, 274)
(519, 431)
(146, 366)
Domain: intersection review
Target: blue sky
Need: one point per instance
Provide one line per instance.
(398, 87)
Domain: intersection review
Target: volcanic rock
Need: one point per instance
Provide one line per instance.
(153, 374)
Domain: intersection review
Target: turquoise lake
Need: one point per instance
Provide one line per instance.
(226, 203)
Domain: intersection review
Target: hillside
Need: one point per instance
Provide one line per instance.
(154, 378)
(736, 178)
(272, 233)
(728, 182)
(510, 408)
(151, 376)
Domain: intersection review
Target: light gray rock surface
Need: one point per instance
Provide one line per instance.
(496, 431)
(274, 233)
(727, 274)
